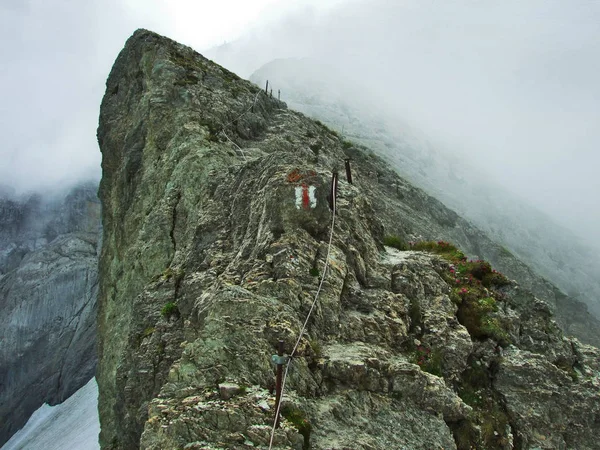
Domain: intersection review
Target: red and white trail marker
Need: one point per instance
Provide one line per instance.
(305, 197)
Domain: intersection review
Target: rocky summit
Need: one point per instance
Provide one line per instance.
(218, 215)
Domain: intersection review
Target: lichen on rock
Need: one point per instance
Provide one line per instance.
(201, 177)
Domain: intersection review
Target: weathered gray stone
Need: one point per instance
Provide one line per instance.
(228, 390)
(209, 259)
(549, 408)
(551, 251)
(48, 289)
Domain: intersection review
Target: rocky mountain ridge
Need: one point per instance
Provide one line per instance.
(554, 252)
(48, 289)
(216, 218)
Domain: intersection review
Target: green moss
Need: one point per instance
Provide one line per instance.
(487, 304)
(148, 331)
(170, 309)
(212, 137)
(434, 364)
(476, 376)
(298, 419)
(494, 423)
(486, 431)
(395, 242)
(495, 279)
(486, 428)
(493, 328)
(168, 273)
(213, 131)
(144, 334)
(347, 145)
(188, 63)
(327, 129)
(160, 348)
(470, 396)
(455, 295)
(445, 249)
(475, 315)
(316, 348)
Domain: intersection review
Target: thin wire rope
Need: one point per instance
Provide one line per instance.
(237, 118)
(239, 148)
(312, 307)
(244, 112)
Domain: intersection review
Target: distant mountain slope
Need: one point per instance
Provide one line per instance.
(553, 251)
(48, 290)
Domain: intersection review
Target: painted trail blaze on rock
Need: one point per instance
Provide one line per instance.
(305, 197)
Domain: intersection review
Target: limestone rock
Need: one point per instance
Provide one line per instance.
(549, 406)
(550, 251)
(228, 390)
(216, 244)
(48, 290)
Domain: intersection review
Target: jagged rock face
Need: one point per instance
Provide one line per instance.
(411, 213)
(48, 291)
(533, 237)
(212, 247)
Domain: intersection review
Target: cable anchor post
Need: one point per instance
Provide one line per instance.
(280, 360)
(348, 171)
(332, 198)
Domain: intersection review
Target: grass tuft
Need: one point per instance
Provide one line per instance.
(396, 242)
(170, 309)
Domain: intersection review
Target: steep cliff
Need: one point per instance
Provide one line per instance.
(48, 290)
(217, 223)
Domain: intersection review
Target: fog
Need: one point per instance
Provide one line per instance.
(56, 57)
(512, 87)
(51, 82)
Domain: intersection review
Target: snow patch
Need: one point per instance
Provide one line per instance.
(73, 424)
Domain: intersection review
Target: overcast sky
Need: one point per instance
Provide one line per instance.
(56, 56)
(513, 85)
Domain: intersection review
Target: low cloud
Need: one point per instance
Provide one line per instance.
(511, 87)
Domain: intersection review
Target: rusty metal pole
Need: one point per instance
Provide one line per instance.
(348, 172)
(267, 87)
(333, 190)
(278, 381)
